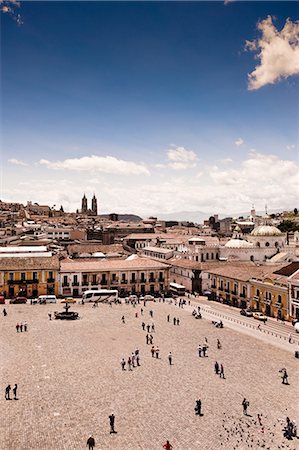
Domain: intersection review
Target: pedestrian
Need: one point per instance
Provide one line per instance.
(168, 318)
(151, 313)
(123, 319)
(153, 351)
(15, 391)
(294, 423)
(218, 344)
(170, 358)
(4, 312)
(151, 339)
(141, 311)
(50, 316)
(284, 377)
(153, 328)
(17, 327)
(148, 328)
(136, 315)
(167, 446)
(133, 359)
(25, 326)
(178, 321)
(216, 367)
(199, 351)
(198, 309)
(204, 349)
(143, 326)
(112, 420)
(259, 327)
(290, 338)
(147, 339)
(91, 442)
(206, 340)
(157, 352)
(197, 408)
(130, 363)
(174, 321)
(123, 364)
(136, 351)
(138, 359)
(221, 372)
(7, 392)
(245, 404)
(21, 327)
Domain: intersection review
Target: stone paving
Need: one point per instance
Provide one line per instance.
(70, 380)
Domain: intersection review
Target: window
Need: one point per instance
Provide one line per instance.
(267, 244)
(257, 292)
(94, 279)
(10, 276)
(50, 274)
(279, 299)
(65, 280)
(23, 276)
(34, 275)
(133, 277)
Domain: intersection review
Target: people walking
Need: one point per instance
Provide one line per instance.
(138, 359)
(25, 326)
(290, 338)
(153, 328)
(218, 344)
(174, 321)
(153, 351)
(199, 350)
(178, 321)
(91, 442)
(7, 392)
(123, 319)
(123, 364)
(133, 359)
(4, 312)
(21, 327)
(204, 350)
(50, 316)
(17, 327)
(216, 367)
(143, 326)
(130, 363)
(168, 318)
(245, 404)
(170, 358)
(151, 313)
(167, 446)
(112, 421)
(221, 373)
(148, 328)
(157, 352)
(147, 339)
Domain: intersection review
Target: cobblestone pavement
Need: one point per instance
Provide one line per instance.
(70, 379)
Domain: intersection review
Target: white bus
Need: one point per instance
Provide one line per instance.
(100, 295)
(177, 289)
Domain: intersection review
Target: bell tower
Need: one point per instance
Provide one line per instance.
(94, 205)
(84, 205)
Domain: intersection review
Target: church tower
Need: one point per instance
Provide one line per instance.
(94, 205)
(84, 205)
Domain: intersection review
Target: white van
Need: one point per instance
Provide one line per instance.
(42, 299)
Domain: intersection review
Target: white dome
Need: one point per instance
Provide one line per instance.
(266, 230)
(238, 243)
(132, 257)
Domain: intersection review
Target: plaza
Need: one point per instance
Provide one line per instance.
(70, 380)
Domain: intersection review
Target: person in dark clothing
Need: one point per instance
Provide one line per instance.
(7, 392)
(17, 327)
(112, 420)
(216, 366)
(15, 391)
(284, 377)
(197, 408)
(143, 326)
(4, 312)
(245, 404)
(174, 321)
(90, 442)
(221, 372)
(168, 318)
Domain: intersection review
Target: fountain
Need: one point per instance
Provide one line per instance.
(66, 315)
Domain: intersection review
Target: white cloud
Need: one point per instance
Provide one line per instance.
(105, 164)
(278, 53)
(181, 158)
(239, 142)
(17, 162)
(225, 160)
(290, 147)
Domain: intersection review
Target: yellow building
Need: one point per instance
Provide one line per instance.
(29, 276)
(270, 295)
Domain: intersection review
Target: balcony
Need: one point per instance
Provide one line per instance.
(152, 280)
(50, 280)
(104, 282)
(143, 280)
(75, 283)
(65, 284)
(114, 282)
(85, 283)
(133, 281)
(161, 280)
(26, 281)
(124, 282)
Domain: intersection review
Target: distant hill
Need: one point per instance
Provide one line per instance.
(124, 217)
(180, 216)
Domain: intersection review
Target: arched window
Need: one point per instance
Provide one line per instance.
(267, 244)
(207, 256)
(257, 292)
(217, 256)
(276, 244)
(251, 258)
(212, 255)
(279, 299)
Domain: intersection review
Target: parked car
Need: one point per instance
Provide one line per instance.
(69, 300)
(43, 299)
(246, 312)
(149, 297)
(18, 300)
(2, 300)
(259, 316)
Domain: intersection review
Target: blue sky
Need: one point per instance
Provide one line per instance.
(120, 98)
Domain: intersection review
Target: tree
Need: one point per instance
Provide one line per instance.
(295, 211)
(288, 225)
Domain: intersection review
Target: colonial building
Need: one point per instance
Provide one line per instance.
(29, 276)
(132, 275)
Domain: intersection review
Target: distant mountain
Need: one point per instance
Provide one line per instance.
(124, 217)
(190, 216)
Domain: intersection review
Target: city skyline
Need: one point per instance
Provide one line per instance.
(151, 106)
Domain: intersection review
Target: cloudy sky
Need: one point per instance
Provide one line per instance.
(153, 106)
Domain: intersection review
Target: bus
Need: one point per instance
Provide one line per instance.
(100, 295)
(177, 289)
